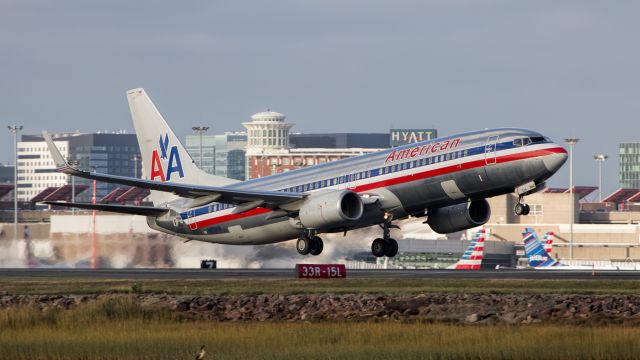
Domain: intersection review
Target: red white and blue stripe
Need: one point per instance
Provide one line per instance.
(537, 256)
(548, 241)
(393, 173)
(472, 257)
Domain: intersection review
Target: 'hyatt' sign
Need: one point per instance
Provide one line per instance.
(408, 136)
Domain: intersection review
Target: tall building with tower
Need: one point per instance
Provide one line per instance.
(270, 146)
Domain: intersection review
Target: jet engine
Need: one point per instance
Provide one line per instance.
(330, 209)
(459, 217)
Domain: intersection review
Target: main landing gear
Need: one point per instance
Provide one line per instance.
(385, 246)
(309, 243)
(521, 208)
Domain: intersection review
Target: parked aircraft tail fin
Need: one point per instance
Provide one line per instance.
(536, 254)
(472, 257)
(548, 242)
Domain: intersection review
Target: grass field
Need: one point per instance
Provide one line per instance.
(293, 286)
(119, 329)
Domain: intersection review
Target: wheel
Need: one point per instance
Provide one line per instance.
(526, 209)
(304, 246)
(317, 247)
(519, 209)
(392, 248)
(378, 247)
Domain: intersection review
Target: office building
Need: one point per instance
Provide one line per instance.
(629, 165)
(222, 155)
(113, 153)
(340, 140)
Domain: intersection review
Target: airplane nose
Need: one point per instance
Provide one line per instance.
(553, 162)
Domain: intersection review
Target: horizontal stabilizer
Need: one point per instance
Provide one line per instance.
(123, 209)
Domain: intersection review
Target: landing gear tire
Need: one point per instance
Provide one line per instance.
(521, 209)
(304, 246)
(317, 247)
(379, 247)
(391, 248)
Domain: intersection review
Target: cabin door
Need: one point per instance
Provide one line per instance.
(490, 150)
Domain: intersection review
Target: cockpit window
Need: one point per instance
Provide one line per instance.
(522, 141)
(537, 139)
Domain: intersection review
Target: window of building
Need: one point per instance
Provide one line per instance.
(536, 209)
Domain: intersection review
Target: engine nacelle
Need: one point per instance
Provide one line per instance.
(459, 217)
(331, 209)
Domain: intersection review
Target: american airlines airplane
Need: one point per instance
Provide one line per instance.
(446, 180)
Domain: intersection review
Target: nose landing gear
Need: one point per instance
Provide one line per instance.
(521, 208)
(385, 246)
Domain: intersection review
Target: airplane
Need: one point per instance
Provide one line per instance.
(539, 259)
(472, 257)
(446, 180)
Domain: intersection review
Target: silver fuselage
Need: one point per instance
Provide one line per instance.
(405, 181)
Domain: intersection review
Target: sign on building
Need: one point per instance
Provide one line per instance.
(408, 136)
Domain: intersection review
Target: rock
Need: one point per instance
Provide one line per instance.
(472, 318)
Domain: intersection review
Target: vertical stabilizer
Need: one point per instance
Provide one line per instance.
(472, 257)
(535, 252)
(548, 242)
(163, 156)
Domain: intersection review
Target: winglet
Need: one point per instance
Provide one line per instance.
(57, 157)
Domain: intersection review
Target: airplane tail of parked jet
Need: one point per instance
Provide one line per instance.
(472, 257)
(548, 242)
(537, 256)
(163, 156)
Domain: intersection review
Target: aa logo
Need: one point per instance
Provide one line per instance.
(173, 163)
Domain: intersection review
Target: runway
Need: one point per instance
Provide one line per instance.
(239, 274)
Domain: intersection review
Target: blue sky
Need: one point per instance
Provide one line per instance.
(569, 68)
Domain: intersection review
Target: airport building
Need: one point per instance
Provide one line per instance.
(601, 231)
(629, 165)
(222, 155)
(113, 153)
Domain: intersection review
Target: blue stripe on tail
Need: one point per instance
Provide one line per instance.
(536, 255)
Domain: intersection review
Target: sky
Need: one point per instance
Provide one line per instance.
(564, 68)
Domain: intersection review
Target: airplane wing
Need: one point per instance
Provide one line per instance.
(193, 191)
(134, 210)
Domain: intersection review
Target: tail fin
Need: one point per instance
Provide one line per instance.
(163, 156)
(472, 257)
(536, 255)
(548, 242)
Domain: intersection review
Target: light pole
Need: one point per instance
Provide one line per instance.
(135, 159)
(14, 129)
(74, 163)
(571, 141)
(200, 130)
(600, 158)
